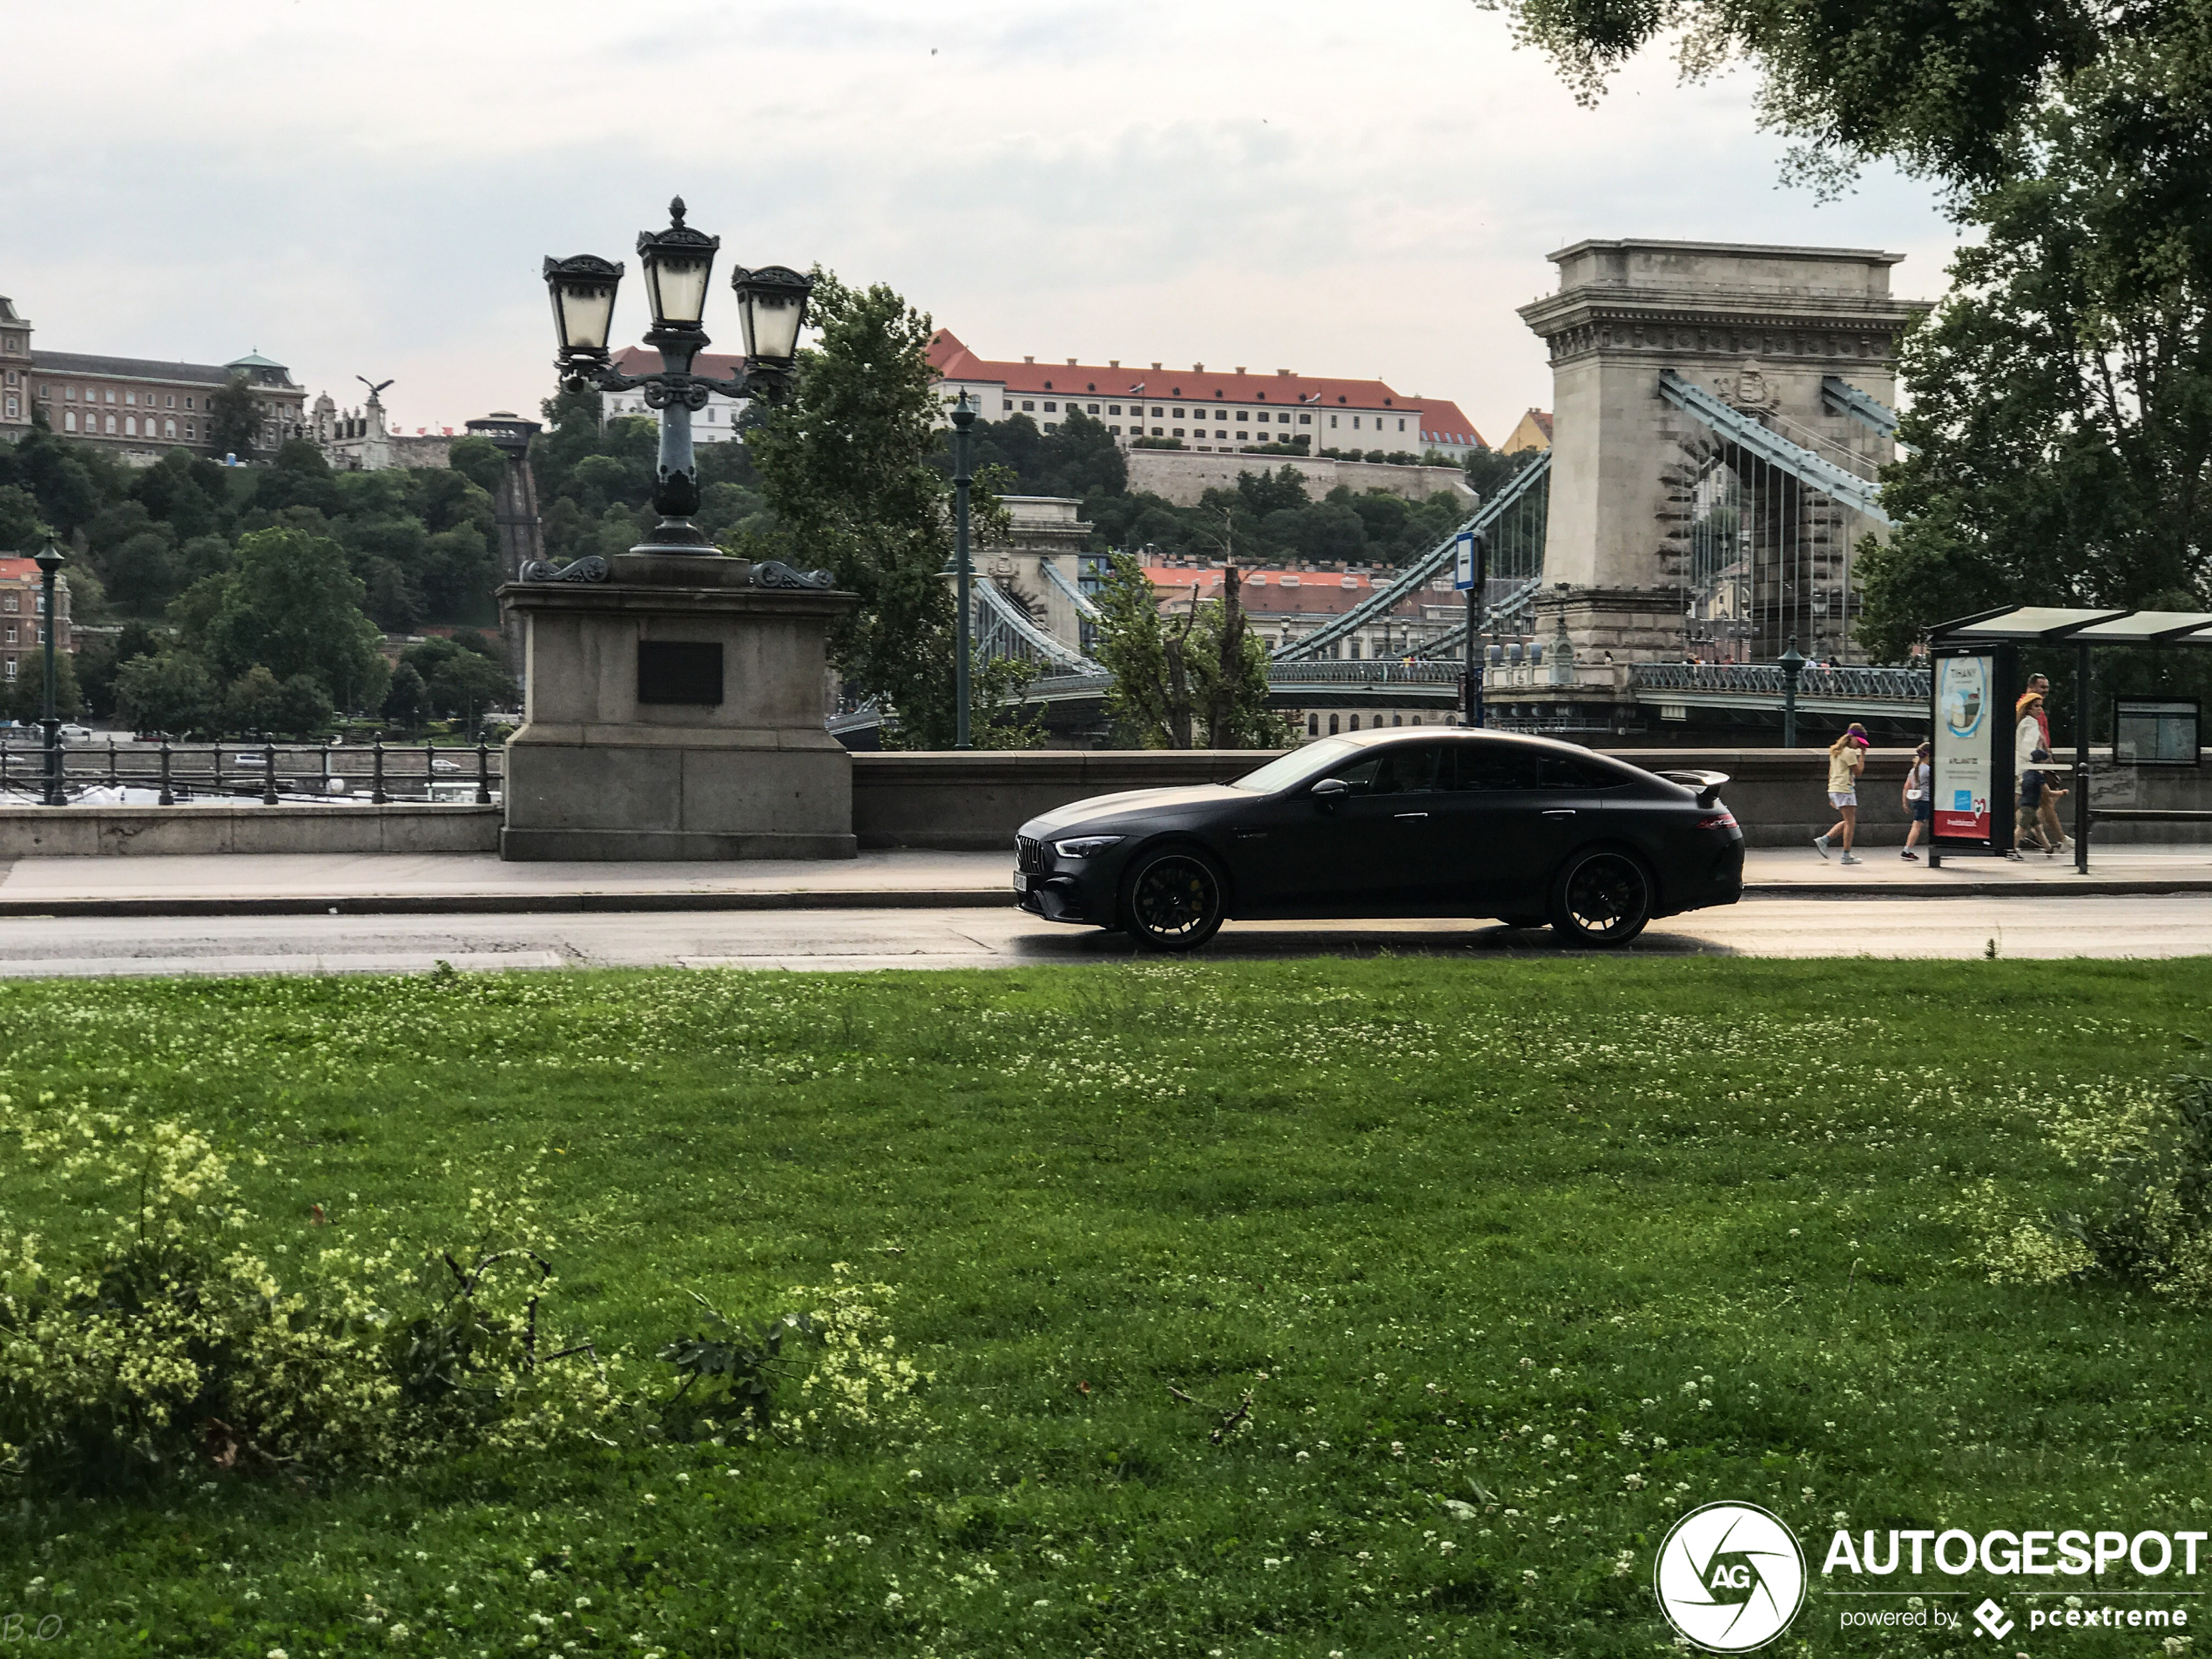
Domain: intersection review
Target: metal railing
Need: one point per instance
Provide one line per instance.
(1764, 679)
(371, 774)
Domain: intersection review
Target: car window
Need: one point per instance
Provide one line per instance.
(1398, 769)
(1486, 766)
(1286, 770)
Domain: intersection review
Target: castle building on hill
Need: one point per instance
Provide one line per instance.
(1206, 409)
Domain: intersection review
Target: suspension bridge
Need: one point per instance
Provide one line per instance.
(1722, 413)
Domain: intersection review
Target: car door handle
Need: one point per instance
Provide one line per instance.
(1404, 815)
(1249, 835)
(1558, 811)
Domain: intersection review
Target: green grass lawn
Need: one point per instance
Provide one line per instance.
(1579, 1243)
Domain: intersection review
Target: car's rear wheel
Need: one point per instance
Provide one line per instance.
(1173, 899)
(1601, 898)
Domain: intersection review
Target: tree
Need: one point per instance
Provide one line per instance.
(21, 529)
(169, 691)
(461, 676)
(233, 418)
(2061, 420)
(253, 703)
(1149, 702)
(1490, 471)
(1952, 91)
(479, 460)
(407, 705)
(292, 606)
(302, 708)
(24, 698)
(847, 464)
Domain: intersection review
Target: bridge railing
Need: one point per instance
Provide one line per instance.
(341, 774)
(1764, 679)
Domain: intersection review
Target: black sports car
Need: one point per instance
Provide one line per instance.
(1423, 822)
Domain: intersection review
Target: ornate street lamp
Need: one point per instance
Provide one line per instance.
(1792, 664)
(678, 264)
(49, 563)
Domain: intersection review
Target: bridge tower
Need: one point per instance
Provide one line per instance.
(1665, 533)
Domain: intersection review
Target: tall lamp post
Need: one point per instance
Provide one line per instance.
(1792, 664)
(677, 261)
(963, 475)
(49, 563)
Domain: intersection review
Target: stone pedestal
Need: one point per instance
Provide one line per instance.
(675, 712)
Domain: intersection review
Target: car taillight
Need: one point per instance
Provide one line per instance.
(1721, 820)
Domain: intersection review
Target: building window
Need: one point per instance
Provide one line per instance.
(1113, 432)
(11, 408)
(1355, 657)
(1179, 413)
(188, 403)
(1417, 719)
(1244, 415)
(1305, 420)
(1355, 423)
(1050, 407)
(11, 633)
(168, 428)
(171, 403)
(111, 426)
(188, 429)
(1157, 411)
(69, 420)
(12, 668)
(69, 394)
(130, 397)
(1052, 425)
(1312, 725)
(1402, 426)
(1113, 408)
(13, 604)
(110, 394)
(1158, 432)
(1028, 404)
(1090, 408)
(130, 425)
(1333, 726)
(1178, 432)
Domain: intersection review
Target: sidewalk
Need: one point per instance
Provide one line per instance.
(478, 883)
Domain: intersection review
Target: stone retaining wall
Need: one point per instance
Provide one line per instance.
(975, 801)
(82, 832)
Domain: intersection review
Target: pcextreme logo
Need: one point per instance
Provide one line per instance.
(1730, 1577)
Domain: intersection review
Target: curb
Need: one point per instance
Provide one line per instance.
(532, 904)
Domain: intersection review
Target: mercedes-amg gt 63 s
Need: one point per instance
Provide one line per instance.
(1423, 822)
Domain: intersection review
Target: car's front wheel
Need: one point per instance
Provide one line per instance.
(1173, 898)
(1601, 898)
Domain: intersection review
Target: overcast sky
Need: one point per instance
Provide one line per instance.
(367, 188)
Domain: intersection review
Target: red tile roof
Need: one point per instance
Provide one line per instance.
(954, 361)
(22, 568)
(1443, 423)
(1270, 594)
(635, 360)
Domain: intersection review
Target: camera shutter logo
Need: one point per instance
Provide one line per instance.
(1730, 1577)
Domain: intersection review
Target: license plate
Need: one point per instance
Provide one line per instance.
(1021, 882)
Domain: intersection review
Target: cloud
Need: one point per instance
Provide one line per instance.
(1356, 190)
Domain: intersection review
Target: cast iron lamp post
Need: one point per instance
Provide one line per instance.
(1792, 664)
(963, 475)
(49, 563)
(677, 261)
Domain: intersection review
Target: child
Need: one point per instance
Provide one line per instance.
(2056, 839)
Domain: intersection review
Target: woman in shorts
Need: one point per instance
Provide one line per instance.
(1919, 800)
(1847, 760)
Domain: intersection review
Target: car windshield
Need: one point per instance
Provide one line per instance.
(1285, 771)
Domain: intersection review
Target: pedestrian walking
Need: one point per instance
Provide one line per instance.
(1847, 760)
(2030, 739)
(1919, 800)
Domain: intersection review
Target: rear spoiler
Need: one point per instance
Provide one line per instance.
(1706, 784)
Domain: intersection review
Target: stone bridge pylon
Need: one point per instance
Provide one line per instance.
(1712, 510)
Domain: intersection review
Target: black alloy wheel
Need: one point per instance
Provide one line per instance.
(1603, 897)
(1173, 899)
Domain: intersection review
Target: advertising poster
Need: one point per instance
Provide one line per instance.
(1463, 561)
(1964, 724)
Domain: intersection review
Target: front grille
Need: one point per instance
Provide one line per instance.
(1029, 854)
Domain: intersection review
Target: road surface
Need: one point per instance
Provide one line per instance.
(2081, 925)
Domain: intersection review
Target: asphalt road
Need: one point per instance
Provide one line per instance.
(2169, 925)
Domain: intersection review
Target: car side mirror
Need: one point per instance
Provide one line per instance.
(1329, 791)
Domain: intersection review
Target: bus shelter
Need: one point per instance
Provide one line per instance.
(1975, 682)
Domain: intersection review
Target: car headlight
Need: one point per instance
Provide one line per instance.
(1084, 845)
